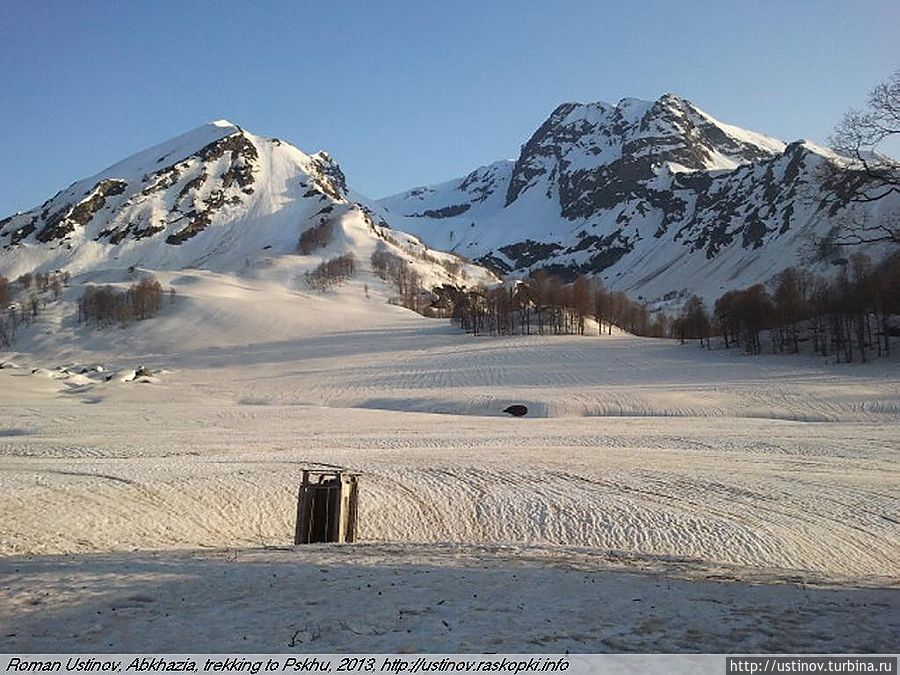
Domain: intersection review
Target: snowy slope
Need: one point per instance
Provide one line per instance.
(638, 455)
(217, 198)
(636, 445)
(655, 198)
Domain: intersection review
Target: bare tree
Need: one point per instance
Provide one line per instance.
(751, 310)
(55, 286)
(601, 306)
(861, 132)
(9, 323)
(582, 302)
(693, 323)
(866, 175)
(8, 320)
(887, 301)
(791, 298)
(853, 230)
(145, 298)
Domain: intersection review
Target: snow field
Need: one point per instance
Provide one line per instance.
(635, 445)
(657, 497)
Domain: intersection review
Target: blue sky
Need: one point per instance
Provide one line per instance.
(406, 93)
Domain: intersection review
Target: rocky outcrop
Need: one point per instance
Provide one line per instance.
(64, 220)
(328, 177)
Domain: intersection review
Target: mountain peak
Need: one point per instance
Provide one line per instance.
(669, 97)
(585, 149)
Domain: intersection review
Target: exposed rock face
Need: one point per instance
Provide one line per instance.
(328, 177)
(16, 236)
(602, 155)
(64, 221)
(240, 158)
(445, 212)
(649, 196)
(527, 253)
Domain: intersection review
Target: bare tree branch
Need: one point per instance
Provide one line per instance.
(869, 175)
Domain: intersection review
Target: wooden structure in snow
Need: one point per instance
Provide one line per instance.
(327, 506)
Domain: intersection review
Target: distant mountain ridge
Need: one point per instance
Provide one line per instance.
(654, 197)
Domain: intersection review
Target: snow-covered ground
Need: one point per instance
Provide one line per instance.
(408, 598)
(641, 460)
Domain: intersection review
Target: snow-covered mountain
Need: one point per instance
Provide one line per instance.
(217, 198)
(655, 198)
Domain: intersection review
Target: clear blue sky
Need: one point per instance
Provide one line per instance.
(406, 93)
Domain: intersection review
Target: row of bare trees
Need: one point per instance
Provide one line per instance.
(544, 304)
(399, 272)
(33, 282)
(105, 305)
(43, 281)
(847, 318)
(331, 273)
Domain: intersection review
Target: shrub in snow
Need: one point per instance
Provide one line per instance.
(316, 237)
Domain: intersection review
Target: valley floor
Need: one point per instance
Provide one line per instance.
(657, 497)
(372, 598)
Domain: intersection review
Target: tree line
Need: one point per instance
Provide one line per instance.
(847, 317)
(105, 305)
(544, 304)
